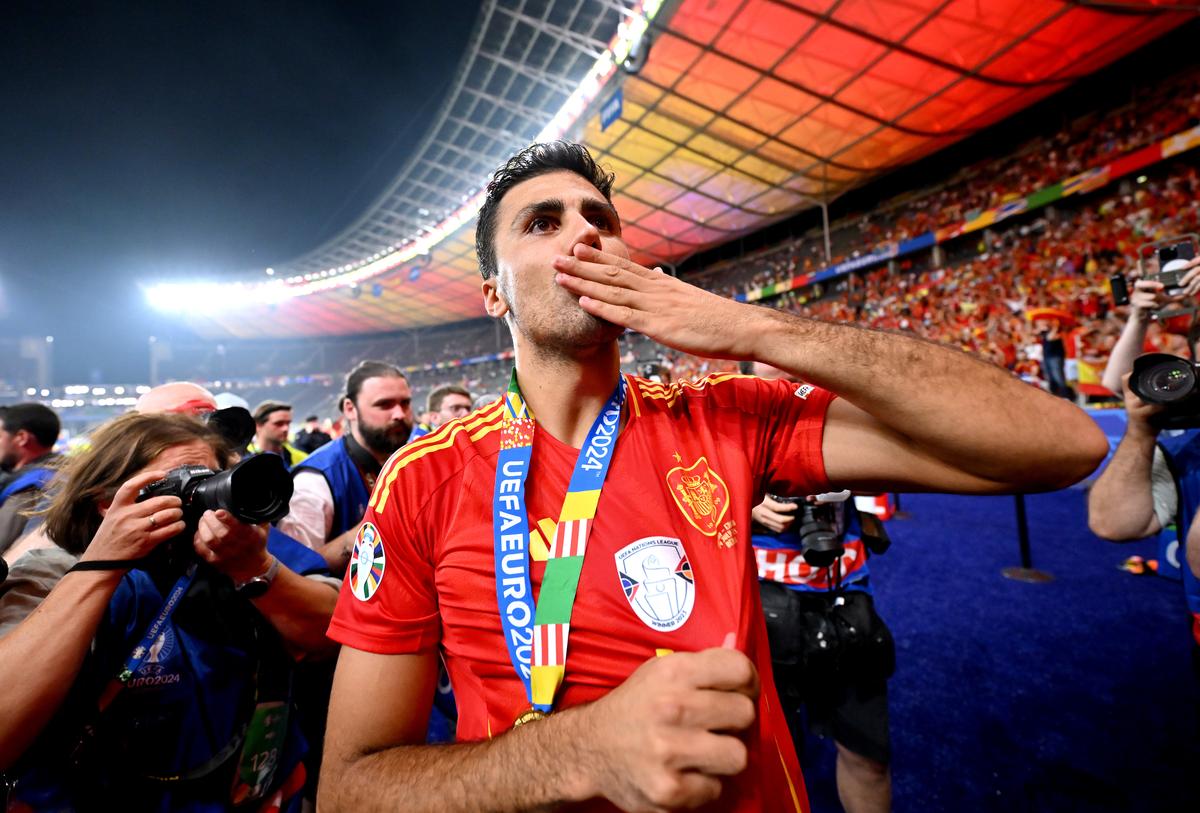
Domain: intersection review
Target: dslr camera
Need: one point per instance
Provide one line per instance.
(822, 527)
(1171, 257)
(1171, 381)
(256, 490)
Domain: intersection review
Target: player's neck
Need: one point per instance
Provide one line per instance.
(566, 393)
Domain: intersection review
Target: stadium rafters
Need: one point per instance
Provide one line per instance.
(731, 114)
(523, 61)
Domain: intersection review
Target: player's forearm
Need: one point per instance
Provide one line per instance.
(534, 767)
(1128, 347)
(1121, 501)
(51, 644)
(961, 410)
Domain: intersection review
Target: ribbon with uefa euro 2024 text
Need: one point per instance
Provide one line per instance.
(538, 650)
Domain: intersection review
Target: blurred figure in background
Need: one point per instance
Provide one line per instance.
(273, 421)
(311, 437)
(27, 435)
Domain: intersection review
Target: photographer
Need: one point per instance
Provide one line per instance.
(162, 658)
(830, 650)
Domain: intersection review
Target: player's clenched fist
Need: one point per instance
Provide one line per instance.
(664, 737)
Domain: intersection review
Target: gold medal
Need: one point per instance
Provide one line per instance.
(528, 716)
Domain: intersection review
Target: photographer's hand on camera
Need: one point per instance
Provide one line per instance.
(1148, 296)
(132, 529)
(1138, 414)
(231, 546)
(774, 515)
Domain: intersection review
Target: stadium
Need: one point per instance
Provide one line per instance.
(972, 174)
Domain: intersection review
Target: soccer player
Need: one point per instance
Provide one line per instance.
(580, 554)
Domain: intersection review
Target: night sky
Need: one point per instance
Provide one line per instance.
(139, 141)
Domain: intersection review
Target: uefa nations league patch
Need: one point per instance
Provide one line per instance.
(366, 566)
(658, 582)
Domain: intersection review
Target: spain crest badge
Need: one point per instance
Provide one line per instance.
(701, 495)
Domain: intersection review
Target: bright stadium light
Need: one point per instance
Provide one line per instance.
(209, 298)
(31, 391)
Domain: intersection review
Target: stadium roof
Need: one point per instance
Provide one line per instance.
(734, 114)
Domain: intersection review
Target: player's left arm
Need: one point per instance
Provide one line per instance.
(911, 414)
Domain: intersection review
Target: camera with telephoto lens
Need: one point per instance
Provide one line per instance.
(1172, 381)
(821, 527)
(256, 490)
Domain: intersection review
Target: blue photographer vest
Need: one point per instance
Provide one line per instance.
(1183, 456)
(350, 494)
(187, 705)
(29, 478)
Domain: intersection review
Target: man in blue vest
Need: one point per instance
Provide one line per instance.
(27, 435)
(334, 483)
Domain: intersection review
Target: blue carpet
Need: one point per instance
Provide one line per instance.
(1075, 695)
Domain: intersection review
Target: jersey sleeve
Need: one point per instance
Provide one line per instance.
(792, 427)
(388, 601)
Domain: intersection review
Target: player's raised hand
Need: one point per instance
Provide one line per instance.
(658, 305)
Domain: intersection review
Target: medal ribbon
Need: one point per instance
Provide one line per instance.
(537, 639)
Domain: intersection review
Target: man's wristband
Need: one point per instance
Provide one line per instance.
(257, 586)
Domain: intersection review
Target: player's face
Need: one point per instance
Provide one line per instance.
(382, 416)
(538, 220)
(453, 406)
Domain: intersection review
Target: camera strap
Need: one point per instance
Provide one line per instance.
(139, 653)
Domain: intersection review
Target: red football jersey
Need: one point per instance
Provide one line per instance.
(669, 564)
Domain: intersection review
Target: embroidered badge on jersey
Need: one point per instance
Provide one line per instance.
(658, 582)
(366, 568)
(701, 495)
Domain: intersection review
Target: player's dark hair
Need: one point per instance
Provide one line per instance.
(534, 160)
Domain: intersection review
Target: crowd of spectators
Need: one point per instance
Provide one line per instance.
(1089, 141)
(999, 292)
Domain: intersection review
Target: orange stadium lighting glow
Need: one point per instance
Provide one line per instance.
(215, 297)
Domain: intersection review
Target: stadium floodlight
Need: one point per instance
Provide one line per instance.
(209, 298)
(31, 391)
